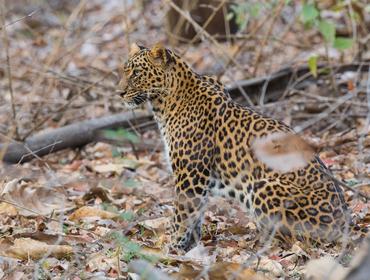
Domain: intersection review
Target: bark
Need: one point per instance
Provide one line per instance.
(276, 84)
(70, 136)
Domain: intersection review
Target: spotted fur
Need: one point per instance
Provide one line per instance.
(208, 139)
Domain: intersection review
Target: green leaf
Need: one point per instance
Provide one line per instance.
(342, 43)
(352, 182)
(255, 9)
(121, 134)
(309, 13)
(327, 30)
(130, 183)
(109, 207)
(132, 247)
(312, 64)
(127, 216)
(115, 152)
(230, 16)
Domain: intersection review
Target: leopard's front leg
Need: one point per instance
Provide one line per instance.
(191, 199)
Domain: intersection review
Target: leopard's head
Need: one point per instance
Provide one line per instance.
(144, 74)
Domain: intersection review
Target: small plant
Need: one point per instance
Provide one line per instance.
(118, 136)
(127, 216)
(243, 12)
(130, 249)
(311, 18)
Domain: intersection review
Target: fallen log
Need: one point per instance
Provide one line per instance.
(277, 83)
(82, 133)
(70, 136)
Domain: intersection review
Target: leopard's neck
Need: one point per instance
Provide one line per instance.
(182, 84)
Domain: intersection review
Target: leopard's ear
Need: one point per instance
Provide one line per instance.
(134, 48)
(160, 55)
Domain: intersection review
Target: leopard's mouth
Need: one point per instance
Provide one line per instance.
(134, 99)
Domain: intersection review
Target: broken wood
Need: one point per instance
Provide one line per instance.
(272, 87)
(70, 136)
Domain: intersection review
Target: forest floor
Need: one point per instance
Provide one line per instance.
(87, 213)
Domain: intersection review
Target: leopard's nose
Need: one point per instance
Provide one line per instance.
(121, 93)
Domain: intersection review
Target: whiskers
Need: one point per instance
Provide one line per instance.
(133, 101)
(139, 98)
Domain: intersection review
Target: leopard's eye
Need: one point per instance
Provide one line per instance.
(135, 73)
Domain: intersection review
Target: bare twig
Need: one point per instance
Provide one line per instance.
(267, 35)
(8, 68)
(351, 15)
(325, 113)
(344, 185)
(57, 48)
(61, 109)
(126, 23)
(19, 19)
(205, 25)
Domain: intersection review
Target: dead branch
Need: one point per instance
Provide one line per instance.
(284, 80)
(8, 67)
(20, 19)
(70, 136)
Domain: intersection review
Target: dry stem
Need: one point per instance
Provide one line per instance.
(8, 68)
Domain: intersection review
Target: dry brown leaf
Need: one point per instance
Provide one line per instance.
(101, 262)
(39, 200)
(232, 271)
(88, 211)
(283, 152)
(325, 268)
(218, 271)
(117, 167)
(15, 275)
(147, 271)
(8, 209)
(25, 248)
(200, 254)
(270, 267)
(158, 224)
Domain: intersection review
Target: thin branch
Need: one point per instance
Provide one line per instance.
(344, 185)
(61, 109)
(5, 25)
(126, 24)
(8, 69)
(205, 25)
(342, 100)
(267, 36)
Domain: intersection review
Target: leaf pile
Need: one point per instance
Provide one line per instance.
(103, 211)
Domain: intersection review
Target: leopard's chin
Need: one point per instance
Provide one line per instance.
(130, 105)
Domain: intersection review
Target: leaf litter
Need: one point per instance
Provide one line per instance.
(103, 211)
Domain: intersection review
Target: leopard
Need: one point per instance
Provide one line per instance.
(208, 138)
